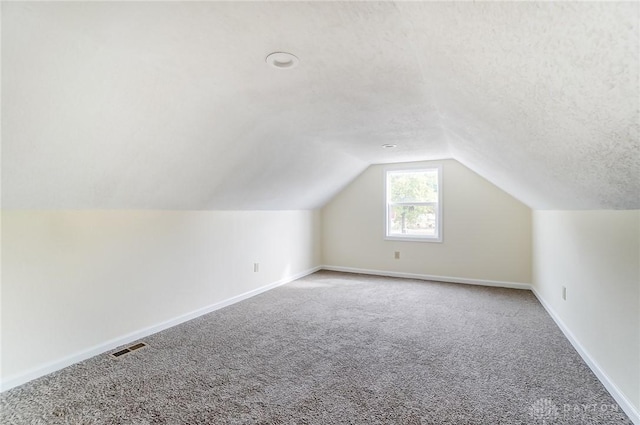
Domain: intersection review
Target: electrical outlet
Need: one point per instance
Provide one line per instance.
(256, 267)
(564, 293)
(396, 255)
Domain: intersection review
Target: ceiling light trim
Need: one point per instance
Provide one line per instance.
(282, 60)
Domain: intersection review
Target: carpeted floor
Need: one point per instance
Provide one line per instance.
(337, 348)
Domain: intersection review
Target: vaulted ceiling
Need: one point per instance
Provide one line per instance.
(171, 105)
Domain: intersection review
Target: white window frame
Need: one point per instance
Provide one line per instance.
(438, 238)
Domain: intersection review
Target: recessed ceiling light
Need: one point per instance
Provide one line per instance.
(282, 60)
(389, 146)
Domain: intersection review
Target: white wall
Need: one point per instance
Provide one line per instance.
(596, 255)
(487, 233)
(72, 280)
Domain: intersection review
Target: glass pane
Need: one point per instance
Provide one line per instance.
(414, 186)
(412, 220)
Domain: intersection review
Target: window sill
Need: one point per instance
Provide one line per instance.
(412, 239)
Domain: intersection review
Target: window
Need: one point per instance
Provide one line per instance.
(414, 204)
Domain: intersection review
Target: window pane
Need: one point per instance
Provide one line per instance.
(407, 220)
(414, 186)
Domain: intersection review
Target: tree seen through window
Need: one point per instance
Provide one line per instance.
(412, 202)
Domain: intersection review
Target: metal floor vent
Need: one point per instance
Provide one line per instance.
(128, 350)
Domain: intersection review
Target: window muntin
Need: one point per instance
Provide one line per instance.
(413, 204)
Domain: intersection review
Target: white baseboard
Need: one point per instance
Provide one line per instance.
(615, 392)
(22, 378)
(501, 284)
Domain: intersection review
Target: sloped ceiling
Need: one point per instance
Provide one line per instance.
(161, 105)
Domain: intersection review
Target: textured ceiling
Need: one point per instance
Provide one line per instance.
(166, 105)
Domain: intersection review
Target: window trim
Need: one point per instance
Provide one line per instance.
(439, 215)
